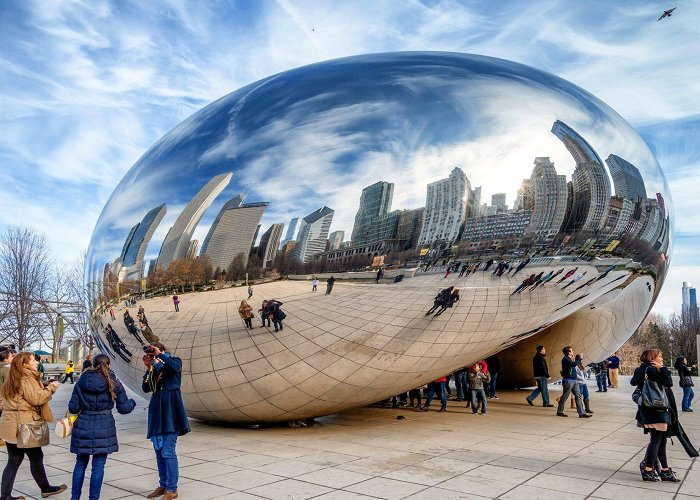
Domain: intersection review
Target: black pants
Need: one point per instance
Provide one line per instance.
(15, 456)
(414, 394)
(248, 322)
(655, 449)
(65, 378)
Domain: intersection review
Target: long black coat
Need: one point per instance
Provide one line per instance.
(94, 431)
(166, 412)
(662, 377)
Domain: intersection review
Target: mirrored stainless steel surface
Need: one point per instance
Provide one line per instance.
(459, 205)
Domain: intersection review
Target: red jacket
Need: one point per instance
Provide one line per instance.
(441, 379)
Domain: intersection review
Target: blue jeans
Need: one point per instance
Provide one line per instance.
(166, 458)
(462, 385)
(492, 385)
(96, 476)
(688, 395)
(440, 386)
(584, 390)
(600, 380)
(478, 395)
(541, 389)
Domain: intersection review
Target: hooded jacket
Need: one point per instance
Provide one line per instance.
(94, 432)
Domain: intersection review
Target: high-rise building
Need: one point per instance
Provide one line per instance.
(474, 206)
(547, 197)
(498, 200)
(233, 233)
(136, 243)
(193, 250)
(313, 233)
(619, 214)
(410, 223)
(269, 243)
(627, 180)
(234, 202)
(177, 241)
(525, 199)
(336, 238)
(652, 221)
(375, 202)
(591, 186)
(445, 208)
(689, 307)
(685, 295)
(291, 231)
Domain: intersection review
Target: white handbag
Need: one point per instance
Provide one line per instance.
(64, 427)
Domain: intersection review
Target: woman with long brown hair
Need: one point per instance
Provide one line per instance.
(95, 434)
(25, 401)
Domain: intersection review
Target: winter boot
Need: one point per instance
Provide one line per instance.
(587, 405)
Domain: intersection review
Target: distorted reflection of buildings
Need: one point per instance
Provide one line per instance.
(627, 179)
(269, 244)
(375, 203)
(193, 250)
(495, 231)
(335, 240)
(445, 208)
(291, 231)
(313, 232)
(233, 232)
(545, 194)
(134, 248)
(177, 241)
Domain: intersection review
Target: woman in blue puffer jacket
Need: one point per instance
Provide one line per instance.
(94, 433)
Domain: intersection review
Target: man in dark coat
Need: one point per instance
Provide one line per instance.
(166, 415)
(329, 284)
(541, 374)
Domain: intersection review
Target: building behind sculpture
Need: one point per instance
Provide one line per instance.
(233, 232)
(313, 233)
(375, 203)
(591, 186)
(136, 243)
(545, 194)
(336, 239)
(445, 208)
(291, 231)
(269, 243)
(177, 240)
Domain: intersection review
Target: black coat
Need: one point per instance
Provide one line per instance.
(94, 431)
(166, 412)
(662, 377)
(568, 367)
(494, 364)
(539, 366)
(684, 373)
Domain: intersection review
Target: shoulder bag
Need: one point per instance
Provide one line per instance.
(33, 435)
(653, 396)
(64, 427)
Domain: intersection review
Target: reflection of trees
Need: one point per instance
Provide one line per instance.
(236, 269)
(182, 273)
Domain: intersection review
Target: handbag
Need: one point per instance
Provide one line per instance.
(653, 396)
(64, 427)
(33, 435)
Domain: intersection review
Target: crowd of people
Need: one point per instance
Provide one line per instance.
(271, 314)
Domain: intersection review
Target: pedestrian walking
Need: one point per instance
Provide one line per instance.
(314, 284)
(176, 303)
(685, 382)
(569, 383)
(68, 372)
(494, 368)
(600, 376)
(329, 285)
(245, 311)
(436, 387)
(25, 400)
(541, 374)
(250, 291)
(87, 363)
(613, 370)
(94, 432)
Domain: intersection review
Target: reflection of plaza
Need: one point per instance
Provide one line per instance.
(357, 344)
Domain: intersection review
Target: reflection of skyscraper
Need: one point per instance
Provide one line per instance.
(192, 250)
(548, 193)
(233, 233)
(375, 202)
(269, 243)
(313, 232)
(177, 240)
(135, 246)
(291, 231)
(619, 214)
(626, 178)
(234, 202)
(498, 201)
(409, 227)
(689, 306)
(336, 238)
(652, 221)
(591, 186)
(445, 208)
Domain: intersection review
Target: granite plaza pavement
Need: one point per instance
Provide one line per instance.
(516, 451)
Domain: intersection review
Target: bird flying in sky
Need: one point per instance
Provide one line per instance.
(667, 13)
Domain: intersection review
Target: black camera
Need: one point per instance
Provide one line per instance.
(8, 347)
(149, 350)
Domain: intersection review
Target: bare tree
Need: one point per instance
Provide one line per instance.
(24, 271)
(77, 310)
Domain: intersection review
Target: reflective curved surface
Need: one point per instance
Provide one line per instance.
(550, 211)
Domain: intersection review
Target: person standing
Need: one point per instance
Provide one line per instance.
(68, 372)
(613, 370)
(314, 284)
(461, 384)
(176, 303)
(686, 382)
(246, 312)
(41, 369)
(329, 285)
(6, 357)
(477, 378)
(87, 363)
(541, 373)
(583, 387)
(600, 377)
(569, 383)
(494, 367)
(25, 400)
(438, 385)
(277, 314)
(94, 433)
(167, 419)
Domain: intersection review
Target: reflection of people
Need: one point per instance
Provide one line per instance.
(94, 433)
(131, 326)
(176, 302)
(440, 299)
(265, 313)
(148, 333)
(450, 301)
(314, 284)
(25, 400)
(329, 285)
(277, 314)
(246, 313)
(541, 374)
(166, 416)
(117, 344)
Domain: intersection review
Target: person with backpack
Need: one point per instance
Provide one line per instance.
(276, 314)
(94, 434)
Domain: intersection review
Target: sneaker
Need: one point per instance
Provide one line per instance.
(584, 415)
(54, 490)
(494, 397)
(529, 402)
(442, 410)
(561, 414)
(158, 492)
(474, 412)
(483, 413)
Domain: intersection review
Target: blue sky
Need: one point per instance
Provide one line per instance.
(88, 87)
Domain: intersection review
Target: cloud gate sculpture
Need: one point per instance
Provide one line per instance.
(541, 207)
